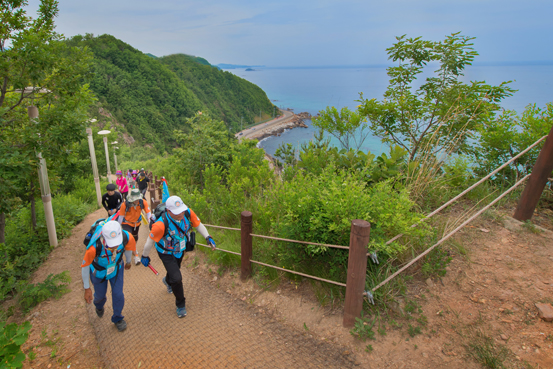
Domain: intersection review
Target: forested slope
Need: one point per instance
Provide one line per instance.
(150, 100)
(227, 96)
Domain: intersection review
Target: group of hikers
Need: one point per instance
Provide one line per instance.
(133, 179)
(171, 234)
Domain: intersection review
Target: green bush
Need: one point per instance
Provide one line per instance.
(30, 295)
(12, 336)
(25, 249)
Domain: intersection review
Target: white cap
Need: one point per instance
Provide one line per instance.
(175, 205)
(112, 233)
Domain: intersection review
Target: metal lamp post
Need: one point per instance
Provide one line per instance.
(94, 165)
(32, 111)
(104, 133)
(114, 155)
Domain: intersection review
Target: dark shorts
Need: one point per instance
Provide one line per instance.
(131, 230)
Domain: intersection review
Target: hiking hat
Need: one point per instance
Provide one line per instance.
(119, 173)
(134, 195)
(175, 205)
(112, 233)
(111, 187)
(134, 172)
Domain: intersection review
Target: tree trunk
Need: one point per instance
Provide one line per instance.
(2, 227)
(33, 207)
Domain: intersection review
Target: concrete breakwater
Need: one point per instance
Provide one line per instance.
(297, 120)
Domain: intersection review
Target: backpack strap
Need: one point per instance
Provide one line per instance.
(165, 223)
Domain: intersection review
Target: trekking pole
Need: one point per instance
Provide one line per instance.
(153, 270)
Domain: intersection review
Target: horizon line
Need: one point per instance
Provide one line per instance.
(482, 63)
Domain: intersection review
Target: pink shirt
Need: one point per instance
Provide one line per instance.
(122, 184)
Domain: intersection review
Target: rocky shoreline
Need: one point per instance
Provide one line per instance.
(296, 121)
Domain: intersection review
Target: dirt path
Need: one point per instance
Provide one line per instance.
(484, 303)
(220, 331)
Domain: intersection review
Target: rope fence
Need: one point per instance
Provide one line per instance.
(450, 234)
(357, 249)
(303, 242)
(469, 189)
(223, 250)
(298, 273)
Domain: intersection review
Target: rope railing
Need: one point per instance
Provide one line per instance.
(298, 273)
(450, 233)
(219, 249)
(296, 241)
(469, 189)
(220, 227)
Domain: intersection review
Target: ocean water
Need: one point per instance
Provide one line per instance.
(313, 89)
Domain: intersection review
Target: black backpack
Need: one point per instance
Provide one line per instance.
(91, 231)
(161, 212)
(93, 227)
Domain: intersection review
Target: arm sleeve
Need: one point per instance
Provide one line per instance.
(128, 256)
(148, 246)
(203, 231)
(158, 229)
(85, 272)
(104, 202)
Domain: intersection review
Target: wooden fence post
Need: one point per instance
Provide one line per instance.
(537, 181)
(357, 270)
(159, 193)
(246, 227)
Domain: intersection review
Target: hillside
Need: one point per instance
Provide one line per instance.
(151, 98)
(227, 96)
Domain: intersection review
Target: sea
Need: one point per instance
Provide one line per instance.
(312, 89)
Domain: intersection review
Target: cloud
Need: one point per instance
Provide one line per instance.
(310, 32)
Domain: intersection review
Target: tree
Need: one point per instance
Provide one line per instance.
(208, 142)
(36, 68)
(349, 127)
(443, 112)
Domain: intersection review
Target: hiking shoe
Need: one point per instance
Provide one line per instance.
(181, 312)
(99, 312)
(169, 289)
(121, 325)
(136, 260)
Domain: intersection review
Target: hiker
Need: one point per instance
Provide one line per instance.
(171, 244)
(142, 182)
(134, 174)
(103, 262)
(130, 215)
(122, 184)
(129, 177)
(112, 200)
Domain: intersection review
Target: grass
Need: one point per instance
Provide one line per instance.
(486, 352)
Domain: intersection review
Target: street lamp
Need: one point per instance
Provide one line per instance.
(94, 165)
(115, 156)
(104, 133)
(32, 111)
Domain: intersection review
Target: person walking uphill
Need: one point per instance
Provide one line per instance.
(170, 234)
(121, 182)
(130, 215)
(103, 262)
(112, 199)
(142, 182)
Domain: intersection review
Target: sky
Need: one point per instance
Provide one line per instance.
(288, 33)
